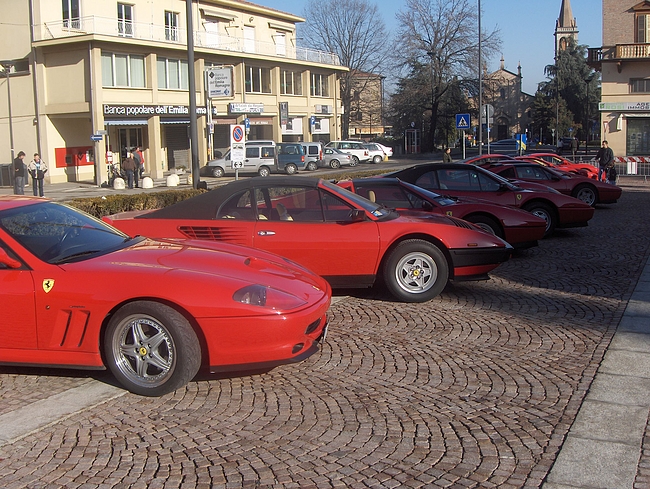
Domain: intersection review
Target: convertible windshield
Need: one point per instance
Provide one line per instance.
(375, 209)
(56, 233)
(442, 200)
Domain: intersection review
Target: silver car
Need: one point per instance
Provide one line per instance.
(335, 158)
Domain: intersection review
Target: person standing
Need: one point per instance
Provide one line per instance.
(446, 157)
(605, 159)
(129, 166)
(19, 174)
(37, 168)
(138, 156)
(574, 147)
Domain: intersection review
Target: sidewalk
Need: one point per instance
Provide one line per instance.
(605, 446)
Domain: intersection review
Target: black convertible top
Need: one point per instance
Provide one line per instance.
(205, 205)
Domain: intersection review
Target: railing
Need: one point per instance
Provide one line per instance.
(161, 33)
(618, 52)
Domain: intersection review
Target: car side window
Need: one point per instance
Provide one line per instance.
(428, 180)
(252, 152)
(335, 209)
(293, 204)
(486, 184)
(268, 152)
(532, 173)
(238, 206)
(463, 180)
(508, 173)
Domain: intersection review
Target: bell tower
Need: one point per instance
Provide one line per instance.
(566, 27)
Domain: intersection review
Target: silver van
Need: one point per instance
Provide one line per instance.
(261, 158)
(313, 155)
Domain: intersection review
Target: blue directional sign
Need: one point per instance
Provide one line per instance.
(96, 137)
(463, 121)
(247, 123)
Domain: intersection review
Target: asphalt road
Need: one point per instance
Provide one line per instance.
(476, 388)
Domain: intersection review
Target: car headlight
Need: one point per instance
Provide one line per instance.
(259, 295)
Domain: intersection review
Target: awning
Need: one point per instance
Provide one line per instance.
(174, 121)
(125, 122)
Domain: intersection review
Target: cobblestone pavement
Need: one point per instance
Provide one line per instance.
(476, 388)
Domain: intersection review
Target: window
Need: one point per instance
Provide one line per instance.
(125, 20)
(319, 86)
(290, 82)
(249, 39)
(171, 26)
(122, 70)
(640, 85)
(643, 28)
(258, 80)
(280, 43)
(172, 73)
(71, 14)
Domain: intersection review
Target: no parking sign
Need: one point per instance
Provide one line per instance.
(237, 145)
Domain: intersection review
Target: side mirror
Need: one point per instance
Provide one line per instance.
(427, 206)
(7, 261)
(357, 215)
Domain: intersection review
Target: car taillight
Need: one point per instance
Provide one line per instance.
(365, 153)
(302, 158)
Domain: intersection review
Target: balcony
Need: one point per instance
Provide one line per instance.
(618, 54)
(111, 27)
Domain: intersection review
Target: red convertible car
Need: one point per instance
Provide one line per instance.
(519, 228)
(461, 180)
(589, 191)
(79, 293)
(343, 237)
(560, 163)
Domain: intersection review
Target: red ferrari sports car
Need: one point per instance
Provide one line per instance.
(519, 228)
(79, 293)
(339, 235)
(589, 191)
(486, 158)
(461, 180)
(559, 163)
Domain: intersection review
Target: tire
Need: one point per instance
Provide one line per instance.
(291, 169)
(377, 159)
(586, 193)
(263, 171)
(312, 166)
(146, 367)
(354, 161)
(544, 211)
(335, 164)
(487, 224)
(218, 172)
(415, 271)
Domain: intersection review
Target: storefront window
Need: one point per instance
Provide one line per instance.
(638, 137)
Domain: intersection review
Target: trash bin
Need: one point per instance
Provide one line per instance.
(5, 175)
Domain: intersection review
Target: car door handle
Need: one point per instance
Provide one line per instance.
(266, 233)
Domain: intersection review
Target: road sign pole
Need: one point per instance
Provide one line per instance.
(464, 156)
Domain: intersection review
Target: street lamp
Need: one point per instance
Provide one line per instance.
(588, 82)
(480, 84)
(6, 66)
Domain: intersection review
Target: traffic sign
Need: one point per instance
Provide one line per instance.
(237, 145)
(96, 137)
(463, 121)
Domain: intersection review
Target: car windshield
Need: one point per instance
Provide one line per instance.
(439, 199)
(56, 233)
(376, 210)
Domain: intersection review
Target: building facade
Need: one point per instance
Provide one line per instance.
(367, 107)
(624, 63)
(88, 77)
(566, 28)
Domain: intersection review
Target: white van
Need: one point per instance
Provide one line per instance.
(355, 148)
(260, 158)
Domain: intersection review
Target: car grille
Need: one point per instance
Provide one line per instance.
(214, 233)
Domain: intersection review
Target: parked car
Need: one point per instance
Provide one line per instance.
(79, 293)
(313, 155)
(486, 158)
(375, 152)
(260, 158)
(518, 227)
(388, 151)
(343, 237)
(335, 158)
(589, 191)
(583, 168)
(290, 158)
(355, 148)
(461, 180)
(505, 146)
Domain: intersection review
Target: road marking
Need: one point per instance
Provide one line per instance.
(40, 414)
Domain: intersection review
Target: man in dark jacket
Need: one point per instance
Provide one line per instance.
(605, 159)
(129, 166)
(19, 174)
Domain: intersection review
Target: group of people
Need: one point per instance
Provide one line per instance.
(606, 166)
(36, 168)
(133, 166)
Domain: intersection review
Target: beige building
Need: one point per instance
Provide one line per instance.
(503, 90)
(367, 106)
(86, 77)
(624, 62)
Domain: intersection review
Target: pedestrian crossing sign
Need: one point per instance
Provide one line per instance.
(463, 121)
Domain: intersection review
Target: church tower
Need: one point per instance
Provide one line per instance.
(566, 27)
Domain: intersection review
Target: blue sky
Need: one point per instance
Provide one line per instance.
(526, 27)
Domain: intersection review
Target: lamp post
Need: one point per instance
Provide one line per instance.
(588, 82)
(6, 66)
(194, 138)
(480, 84)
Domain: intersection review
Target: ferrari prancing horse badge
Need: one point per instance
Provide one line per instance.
(48, 283)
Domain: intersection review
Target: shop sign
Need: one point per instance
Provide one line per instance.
(218, 81)
(624, 106)
(236, 108)
(151, 110)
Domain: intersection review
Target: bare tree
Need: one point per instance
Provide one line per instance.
(442, 34)
(354, 30)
